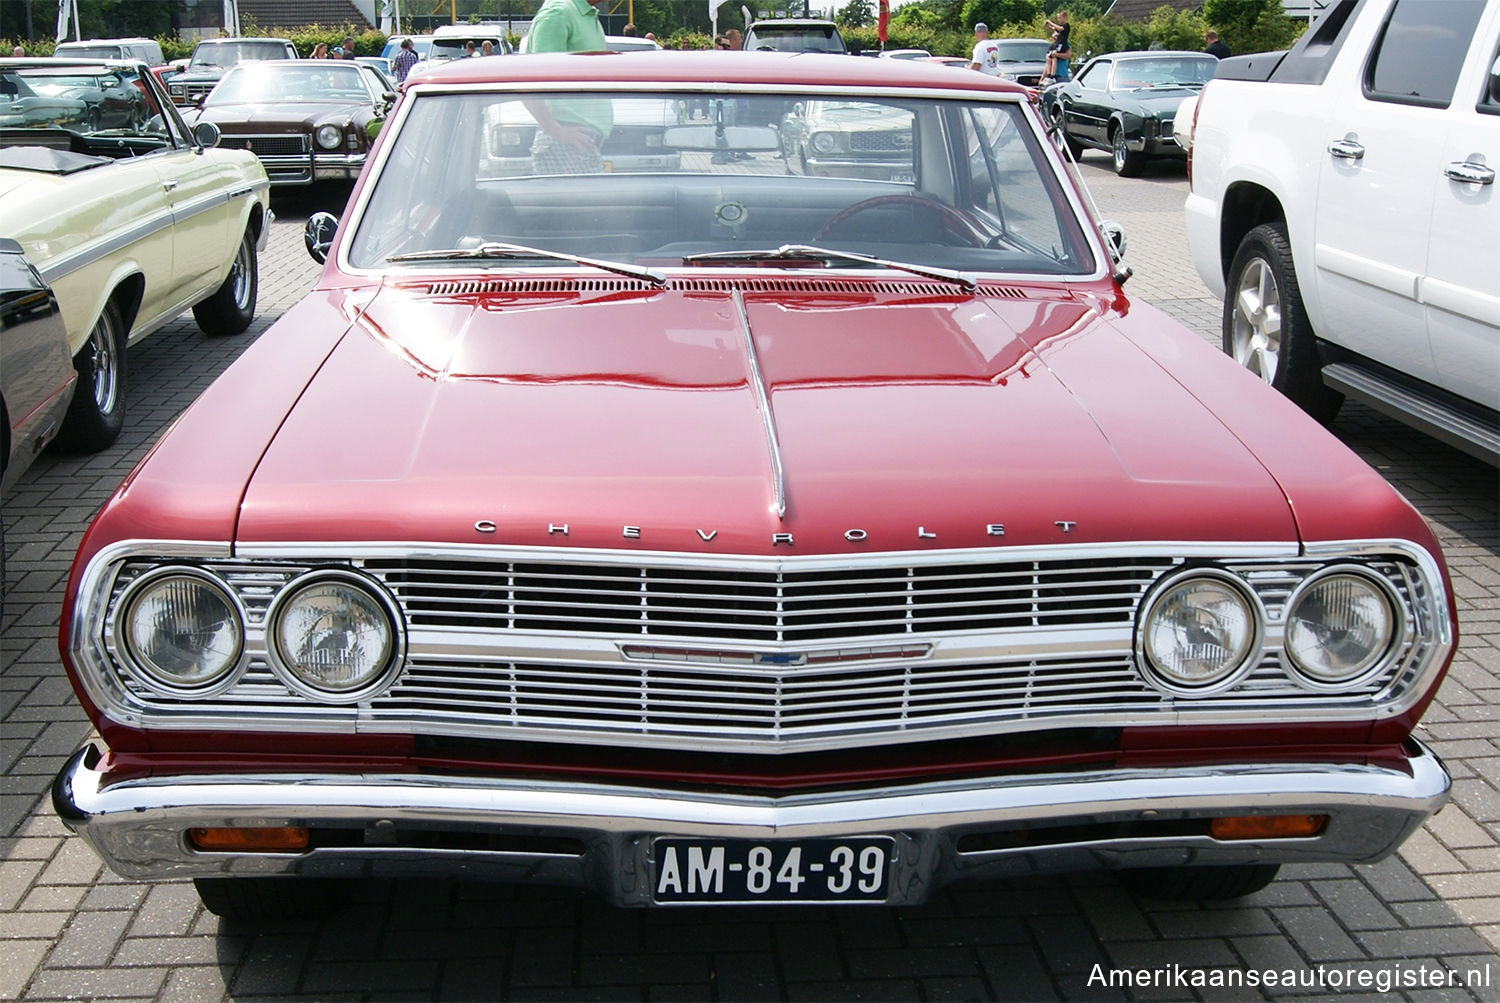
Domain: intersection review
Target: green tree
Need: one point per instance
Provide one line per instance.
(998, 12)
(856, 14)
(1251, 25)
(1176, 29)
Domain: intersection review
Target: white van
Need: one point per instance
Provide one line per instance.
(147, 50)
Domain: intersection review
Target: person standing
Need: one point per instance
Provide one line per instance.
(320, 51)
(404, 60)
(1213, 46)
(986, 58)
(570, 131)
(1060, 51)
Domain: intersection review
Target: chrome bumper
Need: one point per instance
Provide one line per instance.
(600, 836)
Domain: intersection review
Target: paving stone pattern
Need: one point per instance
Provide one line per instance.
(71, 929)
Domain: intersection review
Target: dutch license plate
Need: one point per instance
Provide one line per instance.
(743, 870)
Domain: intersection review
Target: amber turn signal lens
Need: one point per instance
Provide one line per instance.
(1267, 826)
(268, 840)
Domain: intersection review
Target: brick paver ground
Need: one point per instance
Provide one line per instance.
(72, 930)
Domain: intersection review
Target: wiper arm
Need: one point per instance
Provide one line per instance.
(807, 252)
(492, 249)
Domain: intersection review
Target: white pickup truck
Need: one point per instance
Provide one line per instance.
(1343, 203)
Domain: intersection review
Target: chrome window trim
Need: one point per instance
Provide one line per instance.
(1007, 651)
(417, 90)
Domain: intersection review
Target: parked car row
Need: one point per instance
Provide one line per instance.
(125, 218)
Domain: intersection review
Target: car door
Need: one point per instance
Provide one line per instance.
(204, 221)
(1381, 156)
(1461, 293)
(1087, 113)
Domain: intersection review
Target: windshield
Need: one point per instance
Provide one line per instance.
(102, 111)
(1175, 71)
(951, 185)
(75, 51)
(1026, 51)
(794, 38)
(300, 82)
(228, 53)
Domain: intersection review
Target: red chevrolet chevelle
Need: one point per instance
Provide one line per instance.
(726, 479)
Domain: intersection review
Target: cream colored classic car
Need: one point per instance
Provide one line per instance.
(131, 219)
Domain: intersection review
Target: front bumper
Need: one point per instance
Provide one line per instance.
(304, 169)
(600, 836)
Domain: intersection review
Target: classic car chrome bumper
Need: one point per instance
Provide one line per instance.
(304, 169)
(600, 836)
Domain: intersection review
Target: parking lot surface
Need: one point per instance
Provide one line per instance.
(1423, 925)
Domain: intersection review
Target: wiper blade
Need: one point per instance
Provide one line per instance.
(494, 249)
(827, 256)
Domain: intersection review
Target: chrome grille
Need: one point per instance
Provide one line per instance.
(766, 607)
(268, 146)
(880, 142)
(770, 656)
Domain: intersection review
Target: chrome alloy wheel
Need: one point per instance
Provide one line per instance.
(1256, 327)
(239, 276)
(101, 348)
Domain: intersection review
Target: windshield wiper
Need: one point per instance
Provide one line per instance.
(807, 252)
(493, 249)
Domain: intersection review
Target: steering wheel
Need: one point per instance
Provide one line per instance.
(952, 220)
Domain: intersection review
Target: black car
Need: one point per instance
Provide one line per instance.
(1124, 102)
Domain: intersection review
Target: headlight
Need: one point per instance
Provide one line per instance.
(824, 142)
(332, 636)
(183, 631)
(1200, 630)
(1339, 626)
(330, 137)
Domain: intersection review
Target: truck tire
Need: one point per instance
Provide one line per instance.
(97, 411)
(1266, 329)
(232, 306)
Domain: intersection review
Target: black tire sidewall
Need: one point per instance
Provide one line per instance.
(1299, 370)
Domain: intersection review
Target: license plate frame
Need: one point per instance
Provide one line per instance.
(707, 871)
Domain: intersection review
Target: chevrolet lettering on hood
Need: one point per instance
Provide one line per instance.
(863, 540)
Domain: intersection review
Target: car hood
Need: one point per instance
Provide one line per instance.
(1155, 100)
(904, 419)
(277, 115)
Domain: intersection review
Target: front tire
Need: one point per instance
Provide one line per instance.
(1200, 884)
(1265, 326)
(1128, 163)
(97, 411)
(231, 308)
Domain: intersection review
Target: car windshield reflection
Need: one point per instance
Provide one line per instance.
(960, 186)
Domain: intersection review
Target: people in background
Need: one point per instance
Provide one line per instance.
(320, 51)
(1060, 51)
(486, 48)
(986, 57)
(571, 131)
(404, 60)
(1213, 46)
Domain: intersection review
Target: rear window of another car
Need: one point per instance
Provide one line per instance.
(794, 38)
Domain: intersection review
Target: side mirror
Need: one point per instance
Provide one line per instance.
(1114, 235)
(206, 135)
(318, 234)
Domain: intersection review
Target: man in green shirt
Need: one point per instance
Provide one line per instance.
(570, 132)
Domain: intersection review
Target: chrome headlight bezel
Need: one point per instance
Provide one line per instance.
(1373, 664)
(329, 137)
(824, 143)
(1245, 658)
(129, 648)
(378, 602)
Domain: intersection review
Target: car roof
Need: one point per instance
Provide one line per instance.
(794, 69)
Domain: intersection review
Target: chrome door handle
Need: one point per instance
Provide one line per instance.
(169, 183)
(1471, 173)
(1346, 149)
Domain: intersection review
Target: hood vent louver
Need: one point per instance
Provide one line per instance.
(793, 286)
